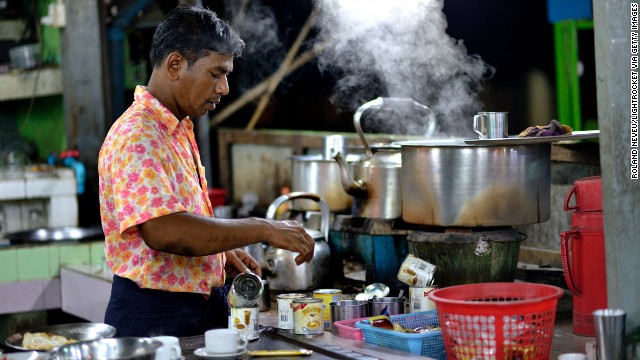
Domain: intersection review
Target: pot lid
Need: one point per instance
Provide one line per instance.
(318, 158)
(432, 142)
(519, 140)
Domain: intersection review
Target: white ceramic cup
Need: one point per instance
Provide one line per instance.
(223, 341)
(572, 356)
(170, 349)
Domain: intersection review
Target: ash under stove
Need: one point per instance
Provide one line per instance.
(461, 255)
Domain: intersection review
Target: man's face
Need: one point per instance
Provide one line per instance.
(203, 84)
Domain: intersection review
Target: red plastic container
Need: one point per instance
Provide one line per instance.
(587, 221)
(583, 262)
(497, 320)
(217, 196)
(583, 253)
(588, 193)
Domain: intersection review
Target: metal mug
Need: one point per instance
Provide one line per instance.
(394, 305)
(332, 145)
(491, 125)
(348, 309)
(610, 333)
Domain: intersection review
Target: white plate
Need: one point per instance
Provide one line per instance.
(202, 352)
(517, 140)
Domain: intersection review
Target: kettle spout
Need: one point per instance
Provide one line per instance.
(351, 186)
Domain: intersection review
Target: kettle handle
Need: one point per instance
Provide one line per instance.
(565, 237)
(356, 123)
(324, 208)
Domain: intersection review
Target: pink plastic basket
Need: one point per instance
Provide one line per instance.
(347, 329)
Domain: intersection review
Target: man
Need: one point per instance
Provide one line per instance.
(168, 254)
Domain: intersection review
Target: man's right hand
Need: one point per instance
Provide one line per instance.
(290, 235)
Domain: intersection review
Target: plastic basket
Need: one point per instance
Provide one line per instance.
(426, 344)
(497, 320)
(347, 329)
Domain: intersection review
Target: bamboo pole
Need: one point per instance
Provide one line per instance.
(282, 70)
(260, 88)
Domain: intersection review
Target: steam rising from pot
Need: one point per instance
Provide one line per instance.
(400, 48)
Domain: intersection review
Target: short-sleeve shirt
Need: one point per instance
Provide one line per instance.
(149, 166)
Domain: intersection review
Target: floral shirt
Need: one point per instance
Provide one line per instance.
(147, 168)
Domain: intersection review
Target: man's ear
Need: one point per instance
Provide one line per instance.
(173, 65)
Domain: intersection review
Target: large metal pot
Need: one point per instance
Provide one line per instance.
(284, 274)
(316, 175)
(452, 183)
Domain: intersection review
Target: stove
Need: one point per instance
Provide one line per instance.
(461, 255)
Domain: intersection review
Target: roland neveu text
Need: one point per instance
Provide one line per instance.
(633, 25)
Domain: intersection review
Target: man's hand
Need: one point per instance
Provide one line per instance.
(238, 261)
(290, 235)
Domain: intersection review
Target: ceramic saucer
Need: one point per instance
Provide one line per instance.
(202, 352)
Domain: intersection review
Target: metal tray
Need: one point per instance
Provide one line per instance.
(44, 235)
(517, 140)
(76, 331)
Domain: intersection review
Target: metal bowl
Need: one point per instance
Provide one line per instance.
(77, 331)
(117, 348)
(44, 235)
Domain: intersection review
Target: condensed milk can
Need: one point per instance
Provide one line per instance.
(285, 310)
(307, 317)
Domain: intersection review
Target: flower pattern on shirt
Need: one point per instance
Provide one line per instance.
(149, 166)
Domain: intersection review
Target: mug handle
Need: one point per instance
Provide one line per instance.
(480, 125)
(242, 342)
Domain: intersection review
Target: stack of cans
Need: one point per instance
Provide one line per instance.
(243, 298)
(419, 275)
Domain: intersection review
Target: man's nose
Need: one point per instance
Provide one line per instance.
(222, 86)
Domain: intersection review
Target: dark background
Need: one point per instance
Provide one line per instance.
(513, 37)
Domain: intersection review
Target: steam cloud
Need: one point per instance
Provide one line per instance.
(400, 49)
(258, 26)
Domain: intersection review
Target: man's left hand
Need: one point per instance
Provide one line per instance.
(238, 261)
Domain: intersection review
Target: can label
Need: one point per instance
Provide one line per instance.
(327, 296)
(307, 316)
(419, 299)
(416, 272)
(245, 320)
(285, 310)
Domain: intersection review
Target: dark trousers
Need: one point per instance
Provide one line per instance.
(146, 312)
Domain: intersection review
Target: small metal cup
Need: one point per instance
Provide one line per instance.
(491, 125)
(610, 333)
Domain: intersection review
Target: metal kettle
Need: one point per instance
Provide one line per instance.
(374, 180)
(284, 274)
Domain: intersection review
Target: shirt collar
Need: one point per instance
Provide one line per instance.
(163, 115)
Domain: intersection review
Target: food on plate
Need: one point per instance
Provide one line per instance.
(554, 128)
(44, 341)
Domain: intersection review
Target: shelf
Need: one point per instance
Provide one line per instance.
(20, 85)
